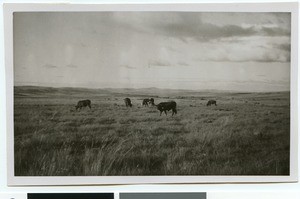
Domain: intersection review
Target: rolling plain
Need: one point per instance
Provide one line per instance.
(245, 134)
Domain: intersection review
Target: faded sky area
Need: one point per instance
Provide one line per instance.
(177, 50)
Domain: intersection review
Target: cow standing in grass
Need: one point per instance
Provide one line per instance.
(147, 101)
(83, 103)
(167, 106)
(127, 102)
(151, 101)
(211, 102)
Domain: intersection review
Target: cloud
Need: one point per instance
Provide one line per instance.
(50, 66)
(275, 31)
(200, 31)
(128, 67)
(72, 66)
(242, 49)
(263, 58)
(182, 63)
(205, 32)
(268, 57)
(241, 52)
(284, 47)
(159, 63)
(185, 26)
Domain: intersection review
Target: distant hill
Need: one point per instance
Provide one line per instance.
(152, 91)
(39, 91)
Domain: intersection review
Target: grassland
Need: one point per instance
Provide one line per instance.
(246, 134)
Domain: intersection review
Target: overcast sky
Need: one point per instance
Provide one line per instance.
(178, 50)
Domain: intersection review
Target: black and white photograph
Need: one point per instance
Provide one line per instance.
(151, 93)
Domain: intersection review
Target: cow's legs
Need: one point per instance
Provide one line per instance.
(174, 112)
(165, 112)
(160, 113)
(90, 106)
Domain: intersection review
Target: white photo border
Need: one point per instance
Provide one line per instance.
(10, 8)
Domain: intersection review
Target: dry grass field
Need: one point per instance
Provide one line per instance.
(245, 134)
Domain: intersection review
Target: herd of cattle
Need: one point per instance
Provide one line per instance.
(162, 107)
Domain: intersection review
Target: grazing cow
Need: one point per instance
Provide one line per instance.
(166, 106)
(83, 103)
(151, 101)
(127, 102)
(147, 101)
(211, 102)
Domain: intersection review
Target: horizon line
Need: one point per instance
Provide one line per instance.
(152, 87)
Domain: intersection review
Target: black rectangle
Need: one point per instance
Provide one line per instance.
(70, 196)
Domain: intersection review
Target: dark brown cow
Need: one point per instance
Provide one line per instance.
(151, 101)
(83, 103)
(147, 101)
(211, 102)
(127, 102)
(166, 106)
